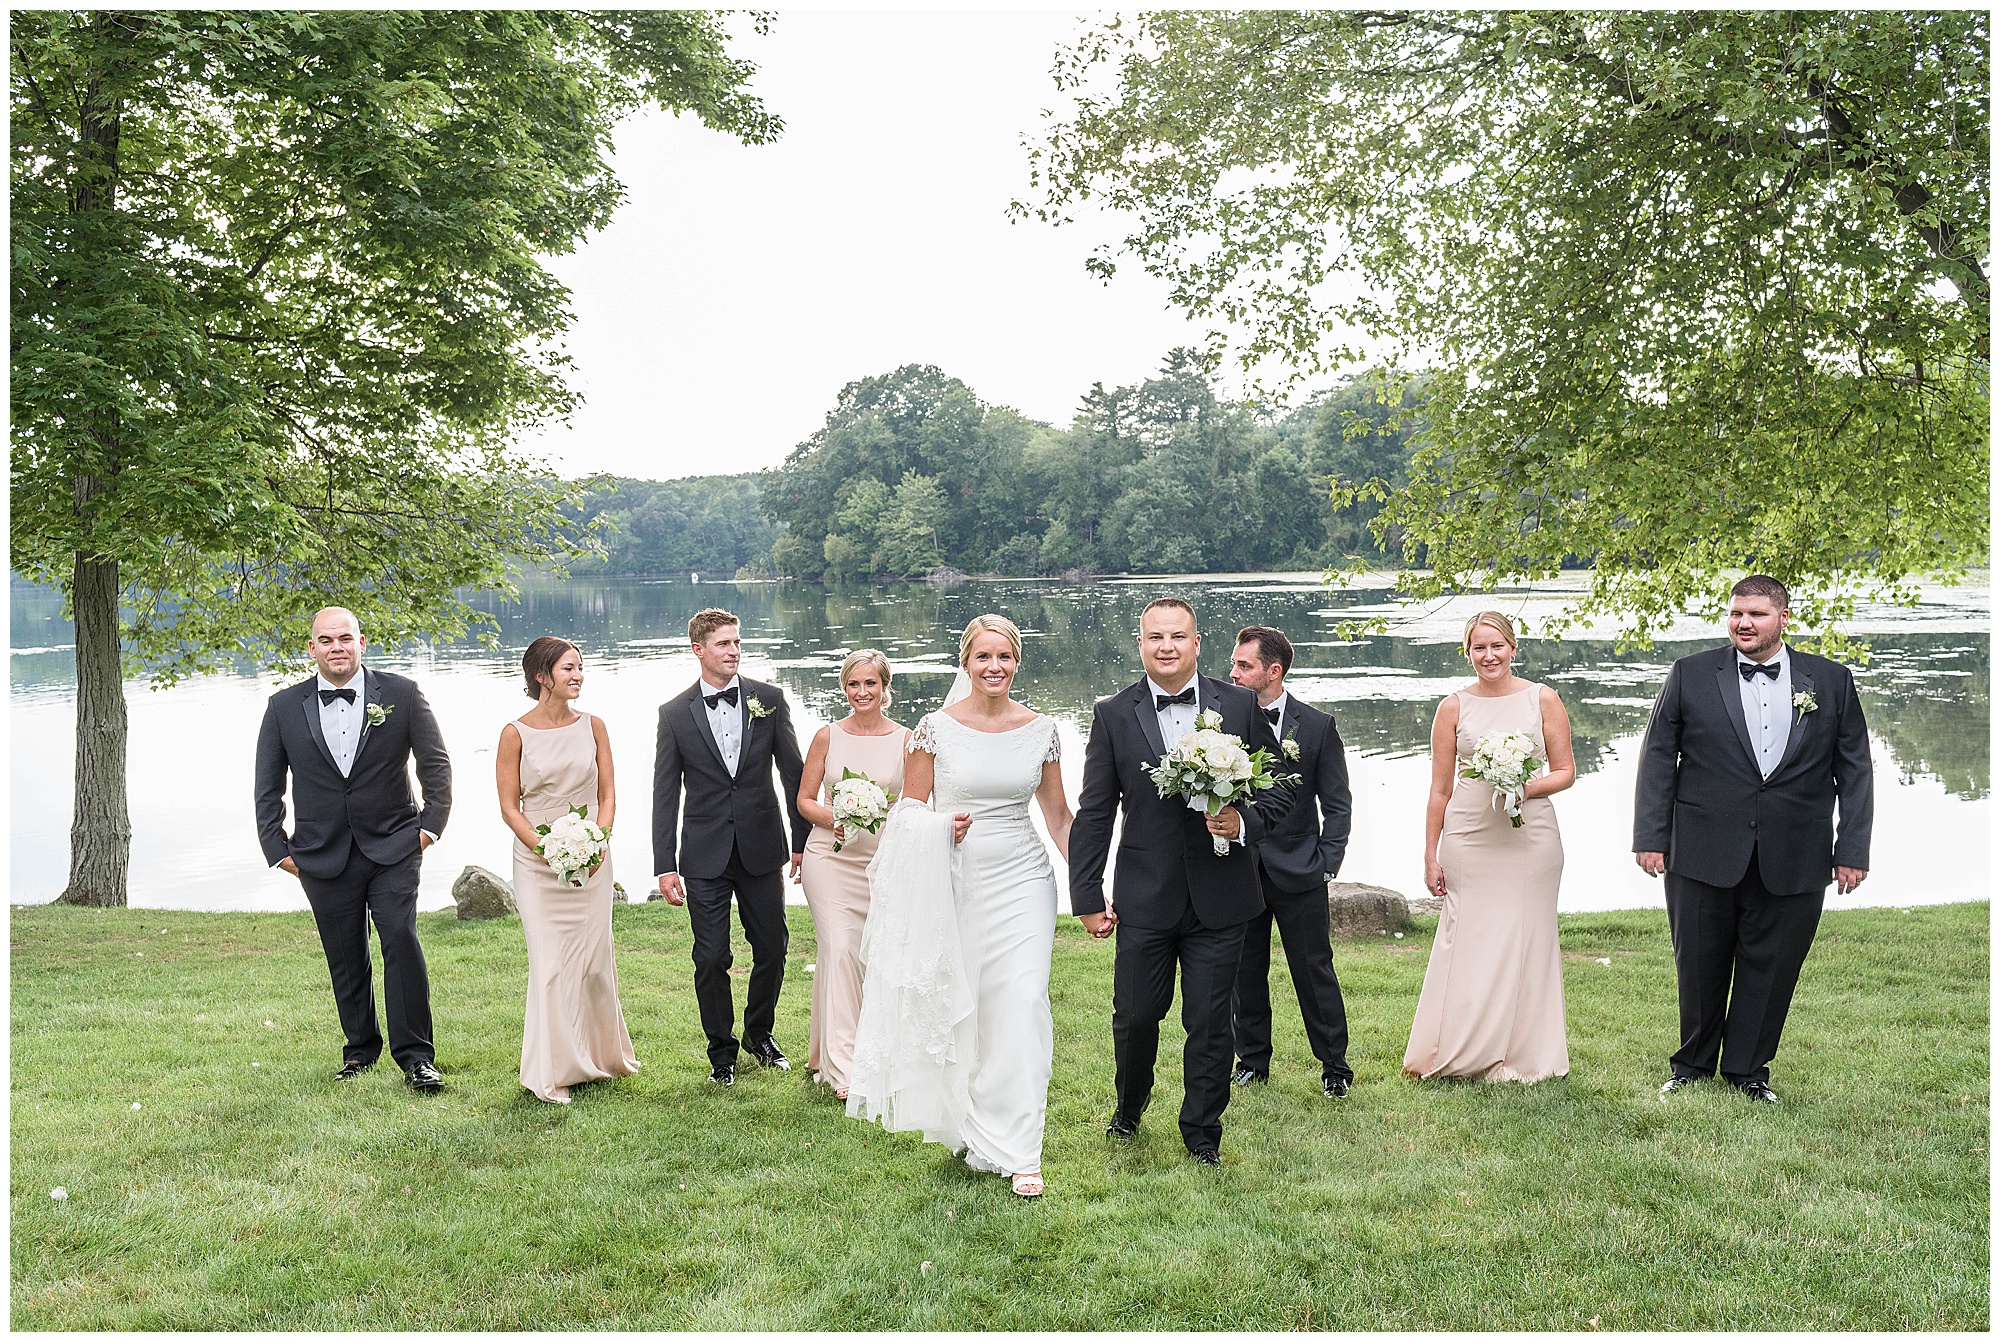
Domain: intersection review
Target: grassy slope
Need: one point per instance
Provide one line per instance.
(265, 1196)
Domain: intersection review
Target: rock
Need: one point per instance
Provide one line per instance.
(1356, 910)
(618, 895)
(480, 894)
(653, 894)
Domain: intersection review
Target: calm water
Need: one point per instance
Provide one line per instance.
(194, 839)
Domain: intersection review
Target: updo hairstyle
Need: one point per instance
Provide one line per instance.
(868, 657)
(540, 660)
(1496, 621)
(989, 624)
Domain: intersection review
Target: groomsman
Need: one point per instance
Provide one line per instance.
(346, 737)
(719, 739)
(1294, 863)
(1175, 903)
(1750, 749)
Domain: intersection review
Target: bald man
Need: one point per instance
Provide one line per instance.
(346, 738)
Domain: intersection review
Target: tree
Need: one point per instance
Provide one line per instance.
(1699, 290)
(279, 310)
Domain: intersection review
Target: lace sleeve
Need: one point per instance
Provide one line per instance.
(924, 738)
(1054, 752)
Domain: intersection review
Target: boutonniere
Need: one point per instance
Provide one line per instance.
(755, 707)
(1804, 702)
(1208, 720)
(1290, 745)
(379, 713)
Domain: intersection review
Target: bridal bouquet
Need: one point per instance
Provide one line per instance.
(572, 845)
(1212, 769)
(860, 801)
(1507, 761)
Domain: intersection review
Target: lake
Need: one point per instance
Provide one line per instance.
(194, 843)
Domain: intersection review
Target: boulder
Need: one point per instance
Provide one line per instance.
(618, 895)
(480, 894)
(1357, 910)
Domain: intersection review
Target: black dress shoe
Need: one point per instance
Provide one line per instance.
(1121, 1127)
(724, 1075)
(1248, 1076)
(1336, 1087)
(768, 1054)
(424, 1076)
(1759, 1091)
(351, 1069)
(1676, 1084)
(1207, 1155)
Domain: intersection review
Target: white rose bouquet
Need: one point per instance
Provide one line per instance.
(1212, 769)
(1506, 760)
(573, 844)
(860, 801)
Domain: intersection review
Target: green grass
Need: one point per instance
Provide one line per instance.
(265, 1196)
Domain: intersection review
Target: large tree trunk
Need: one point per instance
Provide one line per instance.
(100, 836)
(100, 832)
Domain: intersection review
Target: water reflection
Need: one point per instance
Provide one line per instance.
(1926, 694)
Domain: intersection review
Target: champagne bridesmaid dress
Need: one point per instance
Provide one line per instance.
(1492, 1003)
(575, 1029)
(836, 886)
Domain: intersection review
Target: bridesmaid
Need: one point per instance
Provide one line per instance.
(836, 884)
(1492, 1003)
(553, 759)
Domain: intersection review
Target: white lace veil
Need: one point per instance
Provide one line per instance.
(961, 688)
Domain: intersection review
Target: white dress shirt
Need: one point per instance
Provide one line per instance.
(1176, 720)
(1277, 705)
(726, 722)
(340, 722)
(1767, 709)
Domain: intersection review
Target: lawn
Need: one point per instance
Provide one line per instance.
(171, 1072)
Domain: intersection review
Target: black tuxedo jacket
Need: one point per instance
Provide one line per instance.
(1304, 850)
(1702, 801)
(372, 808)
(1165, 857)
(726, 814)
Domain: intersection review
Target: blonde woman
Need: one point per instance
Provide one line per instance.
(836, 883)
(1492, 1003)
(955, 1038)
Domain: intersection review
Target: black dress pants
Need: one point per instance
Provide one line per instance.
(1142, 990)
(1302, 923)
(342, 907)
(760, 903)
(1752, 936)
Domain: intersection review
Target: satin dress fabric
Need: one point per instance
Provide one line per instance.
(575, 1029)
(1492, 1002)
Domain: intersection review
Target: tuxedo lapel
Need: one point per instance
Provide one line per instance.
(1802, 683)
(699, 711)
(309, 700)
(1149, 720)
(1730, 691)
(371, 693)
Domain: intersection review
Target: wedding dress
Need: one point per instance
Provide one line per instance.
(955, 1038)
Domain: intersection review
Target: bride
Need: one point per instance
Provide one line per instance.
(955, 1038)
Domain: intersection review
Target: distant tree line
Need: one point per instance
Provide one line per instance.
(912, 473)
(708, 524)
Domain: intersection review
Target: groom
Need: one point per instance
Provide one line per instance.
(347, 738)
(1175, 902)
(718, 739)
(1750, 749)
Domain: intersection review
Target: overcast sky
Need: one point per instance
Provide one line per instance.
(740, 287)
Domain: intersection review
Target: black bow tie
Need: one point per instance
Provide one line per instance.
(1161, 701)
(1271, 715)
(1750, 669)
(344, 692)
(727, 696)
